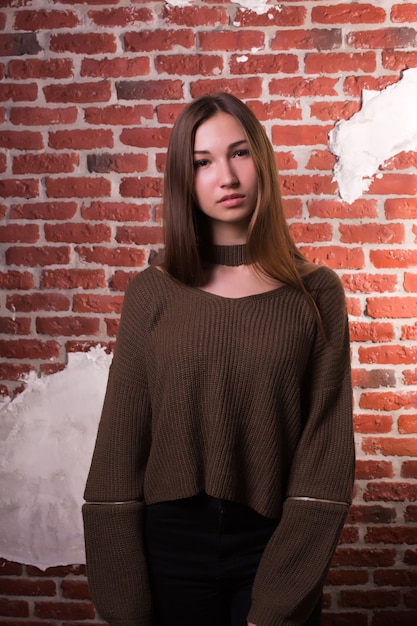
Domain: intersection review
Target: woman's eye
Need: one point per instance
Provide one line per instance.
(200, 163)
(241, 153)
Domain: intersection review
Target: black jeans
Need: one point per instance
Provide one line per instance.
(203, 554)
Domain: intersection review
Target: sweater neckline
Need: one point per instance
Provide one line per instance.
(231, 255)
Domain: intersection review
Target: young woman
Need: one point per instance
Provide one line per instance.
(224, 461)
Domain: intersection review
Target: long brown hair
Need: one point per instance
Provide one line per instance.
(269, 243)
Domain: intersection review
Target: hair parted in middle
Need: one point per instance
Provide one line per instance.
(269, 243)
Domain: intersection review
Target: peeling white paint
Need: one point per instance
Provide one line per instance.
(180, 3)
(47, 435)
(242, 59)
(385, 126)
(258, 6)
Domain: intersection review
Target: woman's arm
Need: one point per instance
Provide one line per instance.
(113, 512)
(295, 562)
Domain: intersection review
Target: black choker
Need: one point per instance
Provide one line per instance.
(227, 255)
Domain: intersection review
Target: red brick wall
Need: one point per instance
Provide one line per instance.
(88, 93)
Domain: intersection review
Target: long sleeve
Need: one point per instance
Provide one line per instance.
(116, 564)
(294, 565)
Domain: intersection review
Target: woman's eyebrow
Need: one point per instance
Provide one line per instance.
(235, 144)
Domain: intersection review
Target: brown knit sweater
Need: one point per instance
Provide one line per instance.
(243, 398)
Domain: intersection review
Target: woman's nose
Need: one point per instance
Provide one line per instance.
(227, 175)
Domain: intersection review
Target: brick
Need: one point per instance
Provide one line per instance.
(303, 87)
(404, 13)
(121, 16)
(193, 65)
(118, 115)
(29, 349)
(390, 492)
(19, 233)
(344, 619)
(300, 185)
(402, 160)
(80, 139)
(140, 235)
(410, 282)
(394, 184)
(250, 87)
(334, 111)
(310, 233)
(121, 257)
(332, 63)
(398, 61)
(18, 93)
(321, 160)
(388, 354)
(407, 424)
(389, 618)
(354, 85)
(120, 280)
(67, 326)
(46, 163)
(384, 38)
(335, 257)
(59, 571)
(347, 14)
(78, 187)
(275, 16)
(19, 188)
(276, 109)
(78, 92)
(375, 332)
(42, 116)
(15, 325)
(371, 514)
(73, 279)
(115, 68)
(369, 557)
(393, 258)
(83, 43)
(389, 401)
(354, 307)
(410, 557)
(16, 280)
(31, 256)
(21, 140)
(37, 301)
(410, 516)
(368, 470)
(121, 163)
(43, 211)
(149, 90)
(85, 345)
(94, 303)
(324, 208)
(146, 137)
(195, 16)
(13, 608)
(64, 610)
(369, 283)
(23, 69)
(391, 534)
(409, 469)
(17, 44)
(395, 577)
(45, 20)
(306, 135)
(24, 587)
(369, 598)
(400, 208)
(242, 40)
(392, 307)
(112, 326)
(116, 211)
(347, 577)
(373, 424)
(10, 568)
(263, 63)
(410, 376)
(75, 589)
(143, 187)
(372, 379)
(162, 40)
(314, 39)
(77, 232)
(286, 161)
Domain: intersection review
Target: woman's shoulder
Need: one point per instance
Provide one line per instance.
(319, 276)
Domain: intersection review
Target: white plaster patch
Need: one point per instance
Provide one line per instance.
(242, 59)
(258, 6)
(385, 126)
(180, 3)
(47, 436)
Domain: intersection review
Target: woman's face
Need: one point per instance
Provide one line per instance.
(225, 178)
